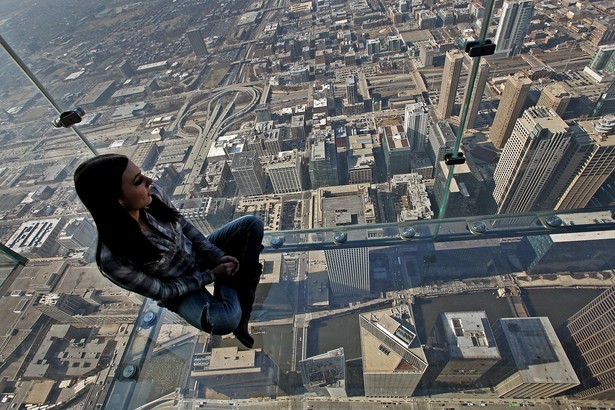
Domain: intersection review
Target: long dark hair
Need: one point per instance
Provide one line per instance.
(98, 182)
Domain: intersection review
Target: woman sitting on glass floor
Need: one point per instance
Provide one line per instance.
(146, 246)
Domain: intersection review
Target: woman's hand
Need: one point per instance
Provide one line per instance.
(226, 268)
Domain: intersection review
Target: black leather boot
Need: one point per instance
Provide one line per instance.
(247, 295)
(242, 333)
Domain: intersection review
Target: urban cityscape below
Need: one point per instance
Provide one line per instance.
(436, 179)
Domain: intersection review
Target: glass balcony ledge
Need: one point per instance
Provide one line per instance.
(444, 230)
(165, 359)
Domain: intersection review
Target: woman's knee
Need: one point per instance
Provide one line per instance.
(229, 321)
(253, 224)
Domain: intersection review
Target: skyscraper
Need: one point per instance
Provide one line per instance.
(463, 190)
(530, 158)
(604, 32)
(556, 97)
(352, 90)
(513, 27)
(464, 347)
(393, 360)
(596, 167)
(450, 81)
(325, 374)
(569, 252)
(262, 113)
(248, 173)
(348, 270)
(606, 103)
(426, 54)
(591, 329)
(372, 46)
(604, 60)
(209, 214)
(441, 140)
(396, 153)
(395, 43)
(534, 364)
(195, 37)
(323, 164)
(513, 98)
(416, 125)
(236, 374)
(285, 172)
(477, 96)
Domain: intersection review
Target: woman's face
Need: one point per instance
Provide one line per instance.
(136, 192)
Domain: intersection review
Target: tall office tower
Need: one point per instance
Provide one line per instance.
(323, 164)
(534, 364)
(569, 166)
(463, 190)
(596, 167)
(604, 60)
(513, 27)
(329, 89)
(210, 214)
(591, 329)
(366, 97)
(445, 17)
(397, 154)
(285, 172)
(530, 161)
(195, 37)
(441, 140)
(262, 112)
(511, 104)
(477, 93)
(64, 308)
(373, 46)
(325, 374)
(248, 173)
(569, 252)
(300, 74)
(348, 268)
(36, 238)
(236, 374)
(604, 31)
(556, 97)
(463, 346)
(416, 125)
(78, 233)
(426, 54)
(272, 141)
(606, 103)
(297, 127)
(450, 81)
(352, 90)
(393, 360)
(395, 43)
(348, 271)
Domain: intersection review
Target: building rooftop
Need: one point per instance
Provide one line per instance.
(231, 358)
(389, 342)
(469, 335)
(536, 350)
(32, 234)
(283, 159)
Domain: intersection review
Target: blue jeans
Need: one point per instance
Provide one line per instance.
(219, 314)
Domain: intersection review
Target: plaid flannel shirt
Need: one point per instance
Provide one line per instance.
(187, 256)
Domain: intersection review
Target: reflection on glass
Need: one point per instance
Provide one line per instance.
(390, 276)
